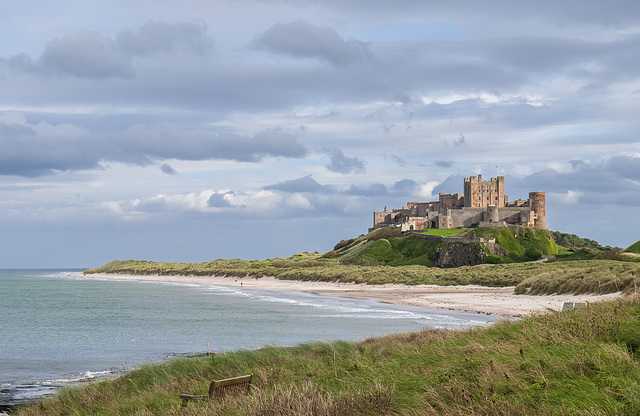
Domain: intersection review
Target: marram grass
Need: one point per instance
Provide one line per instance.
(580, 362)
(587, 276)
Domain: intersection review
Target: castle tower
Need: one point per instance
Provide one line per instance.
(479, 193)
(470, 191)
(492, 214)
(538, 204)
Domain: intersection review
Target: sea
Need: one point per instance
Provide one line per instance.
(60, 328)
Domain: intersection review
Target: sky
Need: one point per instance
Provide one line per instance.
(195, 130)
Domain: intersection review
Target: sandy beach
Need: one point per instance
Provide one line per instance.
(471, 298)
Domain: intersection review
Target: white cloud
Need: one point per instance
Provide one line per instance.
(125, 210)
(571, 197)
(425, 190)
(297, 201)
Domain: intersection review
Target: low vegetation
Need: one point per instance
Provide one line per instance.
(522, 244)
(579, 362)
(389, 247)
(385, 256)
(573, 241)
(634, 248)
(447, 232)
(589, 276)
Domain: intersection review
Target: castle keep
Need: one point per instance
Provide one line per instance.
(483, 203)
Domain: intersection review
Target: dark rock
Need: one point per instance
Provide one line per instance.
(460, 254)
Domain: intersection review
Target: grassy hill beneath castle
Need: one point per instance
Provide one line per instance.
(387, 246)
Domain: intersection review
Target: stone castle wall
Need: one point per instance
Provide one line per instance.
(483, 203)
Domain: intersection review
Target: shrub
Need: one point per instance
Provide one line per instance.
(532, 254)
(609, 255)
(387, 232)
(572, 240)
(493, 259)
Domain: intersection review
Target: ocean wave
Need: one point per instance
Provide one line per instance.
(13, 394)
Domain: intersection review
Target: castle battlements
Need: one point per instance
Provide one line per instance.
(483, 203)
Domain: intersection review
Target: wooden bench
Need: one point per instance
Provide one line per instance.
(219, 388)
(567, 306)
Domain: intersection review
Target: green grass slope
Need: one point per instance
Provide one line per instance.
(386, 246)
(580, 362)
(633, 248)
(523, 244)
(526, 242)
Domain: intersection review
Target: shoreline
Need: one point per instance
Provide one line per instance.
(468, 298)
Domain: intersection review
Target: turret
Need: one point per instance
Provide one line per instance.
(538, 204)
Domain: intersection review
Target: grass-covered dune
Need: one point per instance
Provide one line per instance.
(579, 362)
(386, 256)
(578, 277)
(633, 248)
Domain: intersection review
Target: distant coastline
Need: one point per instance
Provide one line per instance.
(469, 298)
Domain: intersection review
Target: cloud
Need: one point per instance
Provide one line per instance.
(86, 54)
(158, 37)
(29, 152)
(142, 142)
(375, 189)
(166, 168)
(460, 142)
(569, 198)
(405, 186)
(217, 200)
(626, 167)
(443, 163)
(451, 185)
(343, 164)
(304, 184)
(301, 39)
(612, 181)
(40, 149)
(396, 159)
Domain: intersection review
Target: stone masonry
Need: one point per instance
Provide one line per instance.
(483, 204)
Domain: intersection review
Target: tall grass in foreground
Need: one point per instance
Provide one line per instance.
(580, 362)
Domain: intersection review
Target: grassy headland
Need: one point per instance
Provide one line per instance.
(577, 277)
(384, 256)
(580, 362)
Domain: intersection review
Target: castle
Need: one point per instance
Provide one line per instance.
(483, 204)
